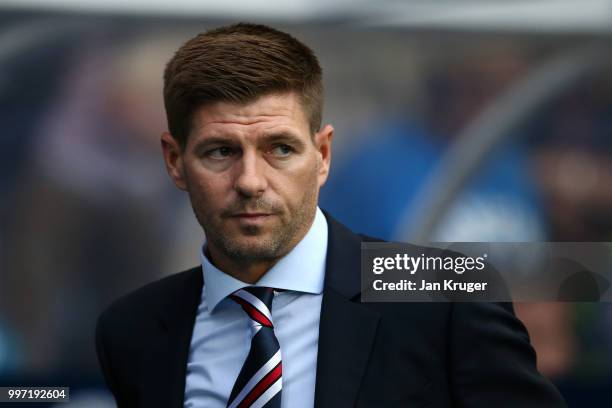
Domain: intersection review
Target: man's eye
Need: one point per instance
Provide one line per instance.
(282, 150)
(220, 153)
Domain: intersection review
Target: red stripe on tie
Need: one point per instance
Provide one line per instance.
(253, 312)
(262, 386)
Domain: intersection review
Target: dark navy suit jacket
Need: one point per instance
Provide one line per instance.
(370, 354)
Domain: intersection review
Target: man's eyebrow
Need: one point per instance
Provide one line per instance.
(277, 137)
(211, 140)
(287, 137)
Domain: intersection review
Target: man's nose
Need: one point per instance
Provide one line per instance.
(251, 181)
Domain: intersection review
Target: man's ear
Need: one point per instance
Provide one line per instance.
(173, 158)
(323, 141)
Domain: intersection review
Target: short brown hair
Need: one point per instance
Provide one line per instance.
(239, 63)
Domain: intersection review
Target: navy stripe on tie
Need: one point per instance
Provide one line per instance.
(259, 382)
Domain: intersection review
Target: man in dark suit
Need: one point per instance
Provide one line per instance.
(273, 315)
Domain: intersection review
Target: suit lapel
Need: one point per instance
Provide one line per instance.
(347, 328)
(165, 371)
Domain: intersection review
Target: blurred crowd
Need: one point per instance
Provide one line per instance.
(87, 212)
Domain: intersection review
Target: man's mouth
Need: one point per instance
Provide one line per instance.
(250, 217)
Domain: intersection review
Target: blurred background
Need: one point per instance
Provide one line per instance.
(455, 121)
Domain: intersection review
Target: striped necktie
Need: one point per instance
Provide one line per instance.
(260, 380)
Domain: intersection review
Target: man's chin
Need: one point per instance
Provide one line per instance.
(249, 228)
(250, 255)
(253, 248)
(251, 231)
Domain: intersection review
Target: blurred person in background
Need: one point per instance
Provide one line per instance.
(375, 187)
(572, 164)
(28, 81)
(86, 224)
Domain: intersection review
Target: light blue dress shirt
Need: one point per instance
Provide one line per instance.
(222, 337)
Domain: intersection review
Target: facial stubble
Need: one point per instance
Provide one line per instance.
(278, 242)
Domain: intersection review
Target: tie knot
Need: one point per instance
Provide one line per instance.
(256, 302)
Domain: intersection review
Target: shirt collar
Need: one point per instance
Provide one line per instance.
(301, 270)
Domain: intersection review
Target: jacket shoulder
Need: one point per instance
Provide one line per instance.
(150, 297)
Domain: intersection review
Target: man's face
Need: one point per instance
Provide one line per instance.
(253, 174)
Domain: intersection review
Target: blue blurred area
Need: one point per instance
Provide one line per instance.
(370, 189)
(374, 189)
